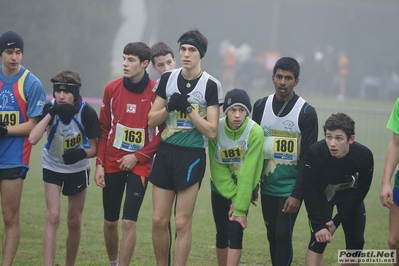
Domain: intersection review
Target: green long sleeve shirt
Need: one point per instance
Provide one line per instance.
(234, 181)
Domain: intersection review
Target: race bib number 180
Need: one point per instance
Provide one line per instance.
(280, 148)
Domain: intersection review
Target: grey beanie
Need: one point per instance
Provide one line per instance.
(11, 39)
(237, 97)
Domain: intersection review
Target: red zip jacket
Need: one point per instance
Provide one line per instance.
(130, 109)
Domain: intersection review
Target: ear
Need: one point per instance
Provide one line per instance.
(351, 139)
(296, 82)
(145, 63)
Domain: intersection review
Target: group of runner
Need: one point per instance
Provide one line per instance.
(275, 152)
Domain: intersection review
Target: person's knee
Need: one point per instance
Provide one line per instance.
(109, 225)
(183, 224)
(283, 235)
(393, 242)
(74, 223)
(222, 238)
(236, 233)
(317, 247)
(355, 242)
(53, 218)
(222, 242)
(128, 225)
(160, 222)
(10, 215)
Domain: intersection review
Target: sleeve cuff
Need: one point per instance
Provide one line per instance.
(99, 161)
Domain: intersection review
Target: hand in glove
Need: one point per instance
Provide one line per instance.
(3, 129)
(179, 102)
(74, 155)
(172, 104)
(65, 109)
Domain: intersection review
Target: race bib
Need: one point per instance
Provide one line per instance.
(61, 144)
(129, 139)
(72, 142)
(331, 189)
(9, 118)
(231, 155)
(280, 148)
(183, 121)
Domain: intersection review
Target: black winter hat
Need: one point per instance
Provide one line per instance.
(11, 39)
(237, 97)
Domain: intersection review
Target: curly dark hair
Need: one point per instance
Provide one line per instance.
(340, 121)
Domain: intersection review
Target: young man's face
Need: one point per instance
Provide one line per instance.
(284, 83)
(338, 143)
(132, 68)
(64, 97)
(11, 59)
(164, 63)
(236, 116)
(189, 55)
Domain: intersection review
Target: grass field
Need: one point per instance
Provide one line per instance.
(255, 252)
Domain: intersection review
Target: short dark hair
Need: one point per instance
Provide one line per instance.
(67, 76)
(340, 121)
(288, 64)
(140, 49)
(197, 39)
(160, 49)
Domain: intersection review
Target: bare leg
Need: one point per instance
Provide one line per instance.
(234, 256)
(221, 255)
(52, 193)
(162, 201)
(314, 259)
(128, 242)
(111, 239)
(76, 204)
(11, 191)
(184, 215)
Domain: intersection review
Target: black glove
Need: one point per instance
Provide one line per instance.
(3, 129)
(46, 109)
(67, 110)
(179, 102)
(172, 104)
(73, 156)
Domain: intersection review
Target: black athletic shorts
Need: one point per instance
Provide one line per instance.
(176, 167)
(136, 187)
(71, 183)
(13, 173)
